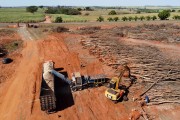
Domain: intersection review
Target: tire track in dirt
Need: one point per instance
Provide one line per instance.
(25, 35)
(19, 99)
(47, 19)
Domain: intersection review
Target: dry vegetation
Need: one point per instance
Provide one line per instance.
(89, 30)
(9, 40)
(162, 32)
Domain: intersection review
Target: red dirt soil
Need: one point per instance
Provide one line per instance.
(21, 100)
(7, 70)
(23, 103)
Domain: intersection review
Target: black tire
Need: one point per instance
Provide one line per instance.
(125, 98)
(96, 84)
(51, 111)
(7, 60)
(74, 89)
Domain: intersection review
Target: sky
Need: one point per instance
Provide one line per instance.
(89, 2)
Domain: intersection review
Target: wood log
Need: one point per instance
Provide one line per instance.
(152, 85)
(149, 88)
(110, 64)
(144, 114)
(162, 102)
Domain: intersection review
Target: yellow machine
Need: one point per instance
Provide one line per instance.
(114, 93)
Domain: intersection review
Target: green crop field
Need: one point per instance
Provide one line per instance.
(12, 15)
(93, 15)
(20, 15)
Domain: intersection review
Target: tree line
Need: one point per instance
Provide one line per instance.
(163, 15)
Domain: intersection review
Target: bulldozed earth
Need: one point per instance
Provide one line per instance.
(152, 51)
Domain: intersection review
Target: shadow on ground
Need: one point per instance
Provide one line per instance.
(64, 98)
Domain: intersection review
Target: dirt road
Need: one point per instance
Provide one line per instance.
(47, 19)
(17, 101)
(25, 35)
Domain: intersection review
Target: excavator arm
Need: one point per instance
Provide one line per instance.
(125, 68)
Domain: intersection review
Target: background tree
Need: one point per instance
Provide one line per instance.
(110, 19)
(124, 18)
(112, 12)
(142, 18)
(168, 10)
(163, 15)
(86, 14)
(32, 9)
(100, 19)
(173, 10)
(138, 12)
(116, 18)
(58, 20)
(148, 18)
(154, 17)
(130, 18)
(176, 17)
(79, 9)
(135, 18)
(88, 9)
(62, 10)
(41, 6)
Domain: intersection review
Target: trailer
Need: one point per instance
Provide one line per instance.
(47, 98)
(47, 93)
(81, 82)
(97, 80)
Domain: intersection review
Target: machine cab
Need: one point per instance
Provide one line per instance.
(76, 77)
(112, 83)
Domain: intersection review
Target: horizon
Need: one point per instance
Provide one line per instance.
(93, 3)
(88, 6)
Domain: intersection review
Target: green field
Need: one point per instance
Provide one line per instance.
(93, 15)
(12, 15)
(20, 15)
